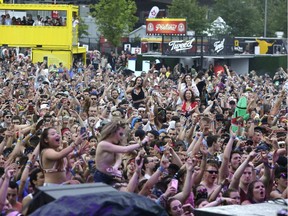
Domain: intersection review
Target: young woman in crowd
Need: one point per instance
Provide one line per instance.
(53, 156)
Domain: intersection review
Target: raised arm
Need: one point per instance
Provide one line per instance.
(155, 177)
(238, 173)
(184, 194)
(224, 168)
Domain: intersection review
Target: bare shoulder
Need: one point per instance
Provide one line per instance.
(47, 151)
(105, 145)
(246, 202)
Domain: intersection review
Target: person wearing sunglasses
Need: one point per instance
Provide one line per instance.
(210, 176)
(7, 117)
(281, 190)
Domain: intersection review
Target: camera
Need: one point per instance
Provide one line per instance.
(92, 152)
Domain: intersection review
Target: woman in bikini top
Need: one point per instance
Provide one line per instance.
(50, 156)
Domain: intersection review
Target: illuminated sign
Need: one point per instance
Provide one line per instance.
(181, 45)
(166, 26)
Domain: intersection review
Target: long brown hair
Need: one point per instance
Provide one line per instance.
(110, 128)
(45, 145)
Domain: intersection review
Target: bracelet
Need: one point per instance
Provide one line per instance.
(28, 162)
(161, 169)
(76, 153)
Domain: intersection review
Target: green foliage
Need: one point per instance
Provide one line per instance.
(243, 16)
(195, 15)
(82, 28)
(246, 17)
(114, 19)
(276, 16)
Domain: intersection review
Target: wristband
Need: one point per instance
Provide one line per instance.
(233, 137)
(75, 153)
(28, 162)
(30, 134)
(161, 169)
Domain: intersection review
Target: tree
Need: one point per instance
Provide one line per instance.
(243, 16)
(114, 19)
(82, 28)
(195, 15)
(276, 16)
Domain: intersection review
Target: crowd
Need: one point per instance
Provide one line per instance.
(184, 137)
(28, 20)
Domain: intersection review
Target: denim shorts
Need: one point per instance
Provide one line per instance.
(103, 177)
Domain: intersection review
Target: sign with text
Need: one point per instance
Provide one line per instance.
(181, 45)
(166, 26)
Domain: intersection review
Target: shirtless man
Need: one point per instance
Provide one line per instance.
(109, 149)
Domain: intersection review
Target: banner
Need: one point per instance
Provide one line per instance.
(153, 12)
(166, 26)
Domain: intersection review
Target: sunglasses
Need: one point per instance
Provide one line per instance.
(93, 98)
(212, 171)
(8, 116)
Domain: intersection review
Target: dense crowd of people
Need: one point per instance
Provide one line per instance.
(28, 20)
(184, 137)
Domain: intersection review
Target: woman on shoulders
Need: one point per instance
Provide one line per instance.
(53, 156)
(137, 91)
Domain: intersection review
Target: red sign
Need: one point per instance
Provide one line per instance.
(166, 26)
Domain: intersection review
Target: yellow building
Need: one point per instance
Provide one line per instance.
(52, 43)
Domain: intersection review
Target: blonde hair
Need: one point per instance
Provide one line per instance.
(111, 128)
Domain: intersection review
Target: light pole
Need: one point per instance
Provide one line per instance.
(265, 19)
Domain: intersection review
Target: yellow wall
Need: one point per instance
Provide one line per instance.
(54, 57)
(31, 36)
(52, 37)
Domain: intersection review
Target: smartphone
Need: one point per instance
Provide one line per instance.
(91, 164)
(187, 208)
(82, 130)
(139, 161)
(174, 183)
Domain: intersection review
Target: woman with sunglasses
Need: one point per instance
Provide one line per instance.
(281, 181)
(108, 153)
(210, 177)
